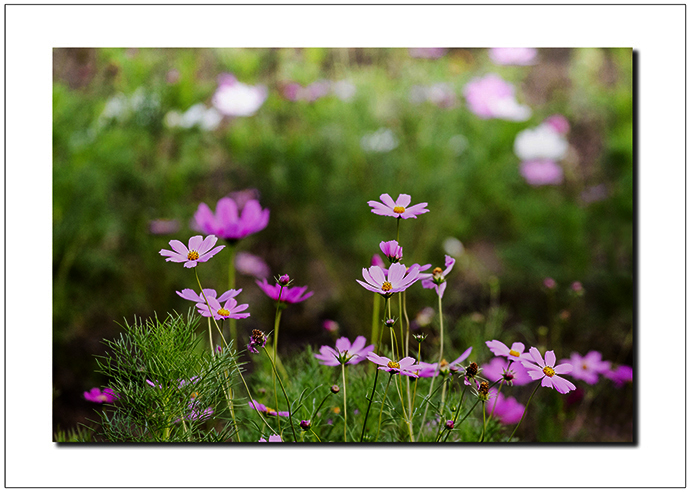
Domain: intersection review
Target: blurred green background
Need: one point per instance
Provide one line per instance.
(119, 164)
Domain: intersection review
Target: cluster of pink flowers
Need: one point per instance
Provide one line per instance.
(540, 148)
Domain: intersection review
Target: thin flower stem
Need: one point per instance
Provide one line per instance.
(496, 400)
(276, 327)
(231, 285)
(287, 400)
(455, 418)
(397, 233)
(525, 410)
(481, 438)
(210, 339)
(209, 308)
(375, 318)
(319, 407)
(249, 394)
(457, 424)
(371, 398)
(390, 376)
(407, 417)
(342, 366)
(317, 437)
(386, 307)
(433, 379)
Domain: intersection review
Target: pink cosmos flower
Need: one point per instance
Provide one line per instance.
(405, 366)
(290, 295)
(249, 264)
(97, 396)
(513, 56)
(233, 98)
(227, 224)
(377, 261)
(218, 312)
(399, 208)
(576, 286)
(437, 279)
(515, 352)
(396, 280)
(559, 123)
(549, 283)
(391, 250)
(541, 172)
(191, 295)
(258, 339)
(620, 375)
(589, 367)
(492, 97)
(344, 352)
(547, 370)
(428, 370)
(508, 411)
(199, 251)
(497, 369)
(267, 410)
(272, 438)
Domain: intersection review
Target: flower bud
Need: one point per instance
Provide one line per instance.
(335, 389)
(450, 424)
(284, 280)
(305, 424)
(420, 337)
(389, 322)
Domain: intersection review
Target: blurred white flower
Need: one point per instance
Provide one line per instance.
(440, 94)
(542, 142)
(382, 140)
(513, 56)
(233, 98)
(198, 115)
(344, 90)
(458, 144)
(453, 247)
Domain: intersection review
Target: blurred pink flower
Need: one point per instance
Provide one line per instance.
(442, 95)
(507, 411)
(267, 410)
(399, 209)
(427, 52)
(576, 286)
(249, 264)
(541, 172)
(233, 98)
(330, 325)
(272, 438)
(97, 396)
(547, 370)
(163, 227)
(199, 251)
(377, 261)
(620, 375)
(345, 352)
(549, 283)
(559, 123)
(290, 295)
(227, 224)
(594, 194)
(492, 97)
(497, 370)
(589, 367)
(513, 56)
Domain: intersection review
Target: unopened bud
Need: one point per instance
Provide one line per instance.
(284, 280)
(450, 424)
(305, 424)
(335, 389)
(389, 322)
(420, 337)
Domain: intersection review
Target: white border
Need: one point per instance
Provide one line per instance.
(657, 32)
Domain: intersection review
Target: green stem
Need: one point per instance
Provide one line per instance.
(319, 407)
(390, 376)
(525, 410)
(249, 394)
(397, 233)
(433, 379)
(375, 319)
(287, 400)
(481, 438)
(276, 327)
(342, 366)
(455, 418)
(371, 398)
(231, 285)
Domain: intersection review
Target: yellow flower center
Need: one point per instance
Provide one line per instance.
(386, 286)
(398, 209)
(514, 353)
(223, 312)
(336, 410)
(270, 410)
(193, 255)
(549, 371)
(393, 365)
(444, 364)
(438, 271)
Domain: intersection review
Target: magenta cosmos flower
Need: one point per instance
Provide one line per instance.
(437, 279)
(267, 410)
(272, 438)
(97, 396)
(218, 312)
(399, 209)
(497, 370)
(344, 352)
(227, 223)
(589, 367)
(547, 370)
(428, 370)
(405, 366)
(290, 295)
(541, 172)
(199, 251)
(507, 410)
(515, 352)
(391, 250)
(396, 280)
(492, 97)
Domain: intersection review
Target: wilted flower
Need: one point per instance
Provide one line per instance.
(290, 295)
(588, 367)
(541, 172)
(248, 264)
(258, 339)
(97, 396)
(199, 251)
(345, 352)
(229, 310)
(437, 279)
(492, 97)
(547, 370)
(471, 372)
(272, 438)
(233, 98)
(515, 352)
(482, 391)
(405, 366)
(399, 209)
(540, 143)
(227, 224)
(267, 410)
(395, 281)
(391, 250)
(513, 56)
